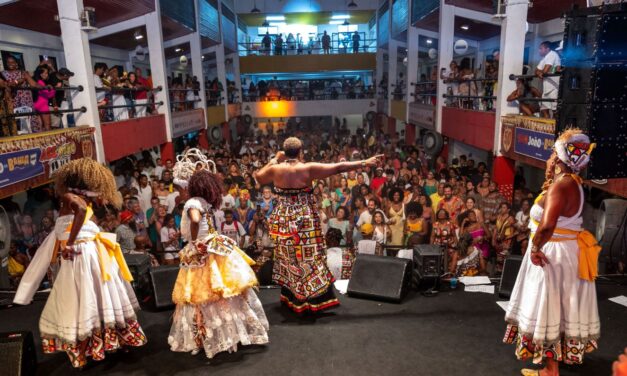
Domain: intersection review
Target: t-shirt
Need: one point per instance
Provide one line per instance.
(227, 202)
(172, 248)
(552, 59)
(364, 217)
(235, 230)
(170, 201)
(435, 200)
(59, 95)
(100, 95)
(142, 94)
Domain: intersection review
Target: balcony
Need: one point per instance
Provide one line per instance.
(30, 160)
(307, 63)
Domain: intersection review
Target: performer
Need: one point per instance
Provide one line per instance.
(216, 308)
(299, 259)
(91, 308)
(552, 314)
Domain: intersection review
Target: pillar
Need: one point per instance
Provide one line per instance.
(412, 65)
(445, 55)
(392, 71)
(513, 30)
(195, 46)
(78, 60)
(158, 68)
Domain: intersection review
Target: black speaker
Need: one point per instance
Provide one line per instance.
(17, 354)
(380, 278)
(428, 261)
(585, 82)
(508, 277)
(163, 279)
(139, 265)
(580, 37)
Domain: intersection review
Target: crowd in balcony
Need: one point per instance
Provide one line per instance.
(319, 89)
(183, 93)
(468, 88)
(34, 95)
(291, 44)
(122, 95)
(411, 199)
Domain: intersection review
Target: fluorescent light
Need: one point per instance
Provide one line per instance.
(277, 24)
(275, 18)
(139, 36)
(429, 41)
(340, 17)
(177, 50)
(336, 22)
(465, 27)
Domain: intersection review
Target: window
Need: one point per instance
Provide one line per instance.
(346, 28)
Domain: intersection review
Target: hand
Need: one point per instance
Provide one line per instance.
(280, 156)
(539, 258)
(374, 161)
(69, 251)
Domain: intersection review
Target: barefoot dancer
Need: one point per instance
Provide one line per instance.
(552, 313)
(91, 308)
(300, 262)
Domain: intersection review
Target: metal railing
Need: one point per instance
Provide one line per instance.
(470, 100)
(307, 97)
(35, 113)
(307, 48)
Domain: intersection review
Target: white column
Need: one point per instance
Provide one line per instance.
(392, 71)
(512, 51)
(380, 70)
(445, 55)
(195, 45)
(158, 66)
(413, 35)
(78, 60)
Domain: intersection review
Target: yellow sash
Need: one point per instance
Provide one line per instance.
(588, 250)
(108, 248)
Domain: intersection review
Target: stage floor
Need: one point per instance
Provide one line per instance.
(454, 333)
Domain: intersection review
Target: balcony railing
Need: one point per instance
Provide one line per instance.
(465, 93)
(121, 103)
(317, 95)
(315, 48)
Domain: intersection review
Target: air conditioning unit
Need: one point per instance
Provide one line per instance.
(88, 19)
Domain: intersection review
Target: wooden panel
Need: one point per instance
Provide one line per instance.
(399, 110)
(215, 115)
(122, 138)
(475, 128)
(307, 63)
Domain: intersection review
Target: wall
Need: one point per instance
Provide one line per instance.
(457, 148)
(337, 108)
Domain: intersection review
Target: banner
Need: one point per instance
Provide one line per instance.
(31, 160)
(533, 144)
(422, 114)
(187, 121)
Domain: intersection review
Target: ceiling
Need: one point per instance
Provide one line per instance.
(309, 18)
(124, 40)
(477, 30)
(20, 14)
(540, 10)
(171, 52)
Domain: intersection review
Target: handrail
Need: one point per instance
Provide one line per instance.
(469, 96)
(423, 83)
(461, 80)
(35, 113)
(160, 103)
(514, 77)
(121, 88)
(47, 87)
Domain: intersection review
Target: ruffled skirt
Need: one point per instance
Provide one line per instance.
(552, 313)
(85, 315)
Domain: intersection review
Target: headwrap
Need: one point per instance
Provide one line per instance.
(573, 148)
(366, 229)
(126, 216)
(189, 162)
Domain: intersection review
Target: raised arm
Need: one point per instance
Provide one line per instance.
(266, 174)
(324, 170)
(79, 208)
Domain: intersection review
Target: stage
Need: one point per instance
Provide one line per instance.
(454, 333)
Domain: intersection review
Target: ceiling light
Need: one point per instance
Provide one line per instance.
(265, 24)
(429, 41)
(277, 24)
(138, 35)
(255, 9)
(336, 22)
(203, 57)
(177, 50)
(352, 4)
(340, 16)
(275, 18)
(465, 27)
(346, 23)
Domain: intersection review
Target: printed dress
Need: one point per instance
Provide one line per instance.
(553, 312)
(91, 308)
(300, 265)
(216, 308)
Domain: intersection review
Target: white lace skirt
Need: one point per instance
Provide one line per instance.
(81, 301)
(219, 326)
(551, 304)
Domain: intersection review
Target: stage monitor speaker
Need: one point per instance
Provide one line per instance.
(380, 278)
(163, 279)
(17, 354)
(139, 265)
(428, 260)
(508, 277)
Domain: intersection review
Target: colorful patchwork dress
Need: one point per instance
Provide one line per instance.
(91, 308)
(300, 265)
(216, 307)
(553, 312)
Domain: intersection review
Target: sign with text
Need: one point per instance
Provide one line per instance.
(187, 121)
(533, 144)
(19, 166)
(422, 114)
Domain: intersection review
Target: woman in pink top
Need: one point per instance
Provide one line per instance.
(43, 96)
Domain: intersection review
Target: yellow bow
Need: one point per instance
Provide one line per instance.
(108, 248)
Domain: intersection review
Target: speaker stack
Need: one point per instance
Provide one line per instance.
(593, 86)
(17, 354)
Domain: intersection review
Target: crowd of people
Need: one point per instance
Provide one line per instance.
(320, 89)
(315, 44)
(122, 95)
(409, 200)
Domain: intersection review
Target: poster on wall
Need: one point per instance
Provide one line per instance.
(50, 60)
(27, 162)
(18, 56)
(187, 121)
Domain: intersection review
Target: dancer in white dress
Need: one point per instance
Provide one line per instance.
(216, 308)
(552, 315)
(91, 308)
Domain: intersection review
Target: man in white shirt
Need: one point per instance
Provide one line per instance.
(233, 229)
(99, 71)
(170, 201)
(144, 191)
(550, 85)
(228, 201)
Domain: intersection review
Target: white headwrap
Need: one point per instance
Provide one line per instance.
(575, 151)
(186, 164)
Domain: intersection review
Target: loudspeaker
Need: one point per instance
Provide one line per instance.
(17, 354)
(585, 82)
(380, 278)
(163, 279)
(428, 261)
(510, 272)
(139, 265)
